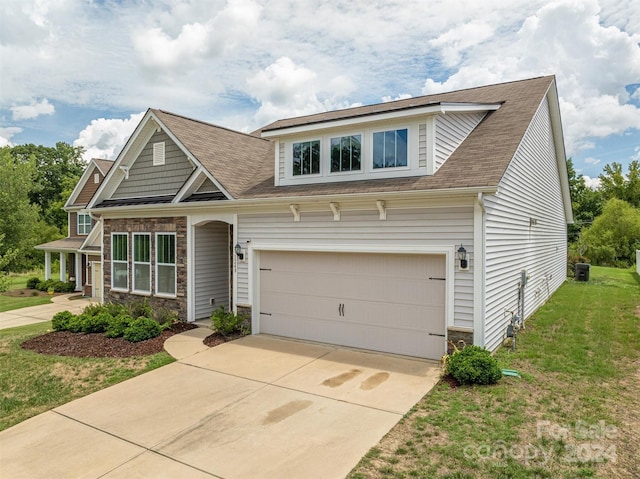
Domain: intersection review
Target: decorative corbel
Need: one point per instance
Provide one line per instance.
(295, 209)
(335, 209)
(382, 209)
(125, 170)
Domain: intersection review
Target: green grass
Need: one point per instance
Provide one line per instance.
(580, 361)
(19, 281)
(32, 383)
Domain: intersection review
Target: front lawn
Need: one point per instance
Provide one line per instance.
(13, 300)
(32, 383)
(574, 414)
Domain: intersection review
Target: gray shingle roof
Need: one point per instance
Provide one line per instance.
(244, 164)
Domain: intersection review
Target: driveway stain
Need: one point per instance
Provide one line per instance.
(286, 410)
(340, 379)
(374, 381)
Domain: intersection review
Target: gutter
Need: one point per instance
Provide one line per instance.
(263, 202)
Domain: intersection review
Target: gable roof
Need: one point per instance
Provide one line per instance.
(480, 161)
(78, 198)
(229, 156)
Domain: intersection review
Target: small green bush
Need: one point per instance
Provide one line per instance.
(165, 317)
(60, 321)
(33, 283)
(5, 282)
(118, 325)
(227, 322)
(96, 323)
(95, 309)
(115, 309)
(57, 286)
(76, 323)
(474, 365)
(141, 309)
(142, 329)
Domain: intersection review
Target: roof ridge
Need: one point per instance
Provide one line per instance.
(206, 123)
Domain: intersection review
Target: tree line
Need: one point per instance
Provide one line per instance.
(35, 182)
(606, 229)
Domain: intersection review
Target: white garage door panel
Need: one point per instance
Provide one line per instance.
(382, 302)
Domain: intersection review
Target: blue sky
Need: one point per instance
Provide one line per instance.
(84, 71)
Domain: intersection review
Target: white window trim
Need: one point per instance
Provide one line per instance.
(96, 178)
(134, 263)
(84, 233)
(175, 266)
(366, 156)
(113, 262)
(159, 157)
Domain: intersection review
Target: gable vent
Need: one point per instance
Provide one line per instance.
(158, 153)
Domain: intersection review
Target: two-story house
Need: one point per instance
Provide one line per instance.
(78, 252)
(391, 227)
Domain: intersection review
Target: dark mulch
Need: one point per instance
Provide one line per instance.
(97, 345)
(217, 338)
(25, 292)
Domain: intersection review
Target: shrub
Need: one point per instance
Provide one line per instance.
(142, 329)
(474, 365)
(60, 321)
(118, 325)
(140, 309)
(95, 309)
(165, 317)
(115, 309)
(33, 283)
(76, 323)
(227, 322)
(5, 282)
(97, 323)
(57, 286)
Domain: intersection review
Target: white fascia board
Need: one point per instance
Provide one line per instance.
(190, 185)
(115, 175)
(80, 184)
(353, 201)
(383, 116)
(561, 157)
(194, 161)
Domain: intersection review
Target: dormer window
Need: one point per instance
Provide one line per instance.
(96, 178)
(84, 224)
(390, 149)
(346, 153)
(306, 158)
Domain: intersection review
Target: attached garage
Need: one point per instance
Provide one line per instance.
(393, 303)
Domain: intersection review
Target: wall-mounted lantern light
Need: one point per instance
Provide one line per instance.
(462, 257)
(239, 251)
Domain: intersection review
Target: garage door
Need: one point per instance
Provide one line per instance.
(383, 302)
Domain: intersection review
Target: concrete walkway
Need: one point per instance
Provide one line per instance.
(43, 312)
(256, 407)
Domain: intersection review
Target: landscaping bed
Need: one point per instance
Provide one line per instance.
(97, 345)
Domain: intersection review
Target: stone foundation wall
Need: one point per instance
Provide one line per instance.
(176, 225)
(455, 337)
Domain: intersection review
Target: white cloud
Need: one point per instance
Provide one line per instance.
(593, 64)
(592, 161)
(7, 133)
(32, 110)
(401, 96)
(197, 41)
(593, 183)
(455, 41)
(104, 138)
(285, 89)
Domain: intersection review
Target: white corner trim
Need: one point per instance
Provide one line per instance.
(335, 209)
(382, 209)
(295, 209)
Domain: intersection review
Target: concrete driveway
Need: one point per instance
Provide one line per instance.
(44, 312)
(257, 407)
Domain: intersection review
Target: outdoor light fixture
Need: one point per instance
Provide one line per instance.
(462, 257)
(239, 253)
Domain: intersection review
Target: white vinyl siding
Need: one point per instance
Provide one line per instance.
(166, 264)
(212, 266)
(451, 130)
(438, 226)
(145, 179)
(530, 189)
(141, 263)
(120, 261)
